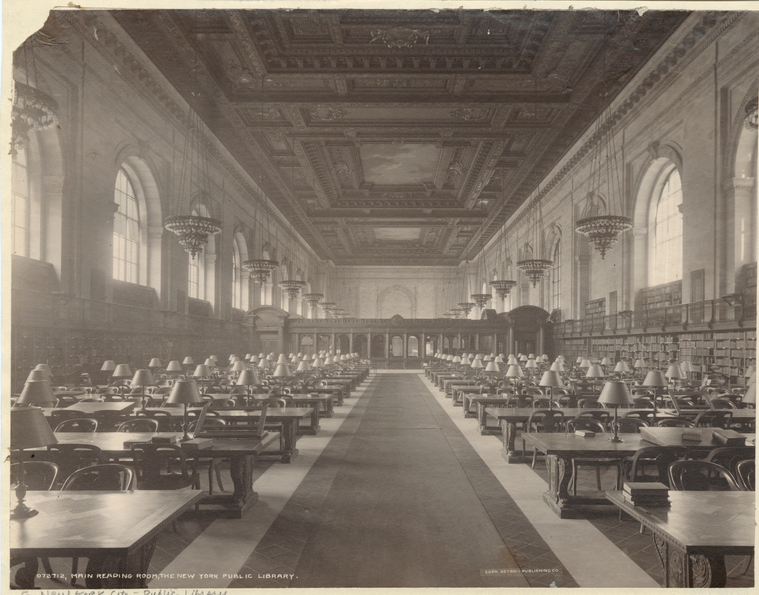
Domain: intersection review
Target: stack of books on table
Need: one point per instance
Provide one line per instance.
(646, 493)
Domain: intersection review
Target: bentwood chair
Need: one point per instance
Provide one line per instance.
(38, 475)
(675, 422)
(79, 424)
(140, 424)
(541, 420)
(697, 475)
(745, 473)
(214, 465)
(71, 457)
(109, 477)
(593, 425)
(163, 467)
(714, 419)
(729, 456)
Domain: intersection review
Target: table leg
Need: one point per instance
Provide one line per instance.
(25, 575)
(457, 397)
(328, 407)
(120, 572)
(694, 571)
(482, 422)
(314, 428)
(559, 476)
(509, 433)
(290, 433)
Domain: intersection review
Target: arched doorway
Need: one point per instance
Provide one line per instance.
(378, 346)
(343, 343)
(361, 346)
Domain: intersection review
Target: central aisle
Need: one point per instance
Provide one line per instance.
(401, 511)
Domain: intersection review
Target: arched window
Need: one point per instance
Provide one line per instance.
(236, 276)
(666, 231)
(126, 231)
(21, 206)
(556, 278)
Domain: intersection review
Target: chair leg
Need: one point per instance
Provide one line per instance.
(217, 468)
(747, 566)
(46, 565)
(598, 478)
(210, 477)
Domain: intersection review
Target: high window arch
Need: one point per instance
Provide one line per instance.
(21, 204)
(126, 230)
(554, 301)
(665, 229)
(201, 270)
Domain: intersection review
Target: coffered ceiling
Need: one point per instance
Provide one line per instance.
(398, 137)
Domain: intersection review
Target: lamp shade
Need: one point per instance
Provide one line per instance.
(465, 361)
(477, 364)
(44, 368)
(498, 359)
(557, 366)
(30, 429)
(585, 363)
(318, 363)
(184, 391)
(38, 375)
(512, 359)
(294, 359)
(457, 359)
(329, 361)
(209, 362)
(749, 371)
(639, 363)
(655, 378)
(686, 367)
(514, 371)
(262, 363)
(615, 392)
(202, 371)
(238, 366)
(174, 366)
(108, 366)
(154, 363)
(122, 371)
(551, 378)
(605, 361)
(233, 359)
(36, 392)
(188, 361)
(594, 371)
(750, 396)
(247, 378)
(303, 366)
(531, 364)
(282, 359)
(523, 358)
(143, 378)
(674, 371)
(282, 371)
(620, 367)
(254, 359)
(492, 367)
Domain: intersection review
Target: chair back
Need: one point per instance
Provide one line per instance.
(70, 457)
(602, 416)
(587, 403)
(702, 476)
(644, 414)
(643, 403)
(164, 419)
(519, 401)
(541, 403)
(162, 467)
(714, 419)
(38, 475)
(675, 422)
(545, 420)
(585, 423)
(222, 404)
(109, 477)
(745, 473)
(62, 401)
(274, 402)
(141, 424)
(659, 457)
(729, 456)
(631, 425)
(208, 422)
(79, 424)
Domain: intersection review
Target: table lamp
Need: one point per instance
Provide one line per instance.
(209, 362)
(585, 363)
(499, 359)
(303, 366)
(253, 360)
(750, 397)
(655, 379)
(674, 372)
(477, 365)
(282, 371)
(174, 367)
(38, 375)
(122, 372)
(188, 363)
(185, 391)
(750, 371)
(616, 393)
(318, 365)
(247, 378)
(531, 365)
(201, 373)
(37, 392)
(605, 361)
(512, 360)
(514, 371)
(621, 367)
(29, 429)
(557, 366)
(154, 364)
(143, 378)
(551, 378)
(108, 366)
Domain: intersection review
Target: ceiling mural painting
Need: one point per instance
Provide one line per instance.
(362, 125)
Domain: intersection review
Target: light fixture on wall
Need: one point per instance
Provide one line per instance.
(193, 230)
(531, 264)
(598, 222)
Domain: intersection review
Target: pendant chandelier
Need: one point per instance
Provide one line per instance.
(503, 286)
(292, 287)
(464, 306)
(32, 109)
(261, 268)
(531, 264)
(193, 230)
(598, 223)
(313, 299)
(481, 299)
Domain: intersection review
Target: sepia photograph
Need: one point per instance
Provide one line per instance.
(378, 295)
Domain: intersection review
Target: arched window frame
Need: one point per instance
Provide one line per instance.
(128, 236)
(556, 278)
(664, 264)
(236, 276)
(21, 205)
(203, 265)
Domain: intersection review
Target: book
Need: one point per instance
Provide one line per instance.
(691, 436)
(652, 502)
(164, 439)
(645, 488)
(197, 444)
(585, 433)
(729, 437)
(128, 443)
